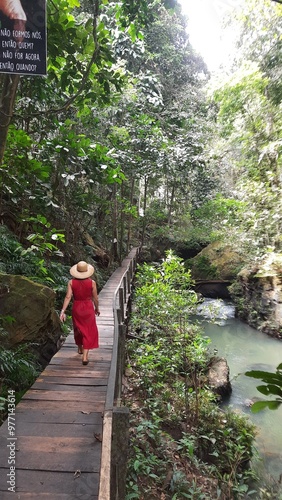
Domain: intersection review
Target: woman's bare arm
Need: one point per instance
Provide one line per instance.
(95, 298)
(66, 301)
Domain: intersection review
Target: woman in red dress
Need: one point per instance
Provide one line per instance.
(85, 306)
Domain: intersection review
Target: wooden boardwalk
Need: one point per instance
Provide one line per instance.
(59, 421)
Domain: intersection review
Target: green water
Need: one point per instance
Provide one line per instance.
(246, 348)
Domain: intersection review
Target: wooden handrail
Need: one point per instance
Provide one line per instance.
(121, 302)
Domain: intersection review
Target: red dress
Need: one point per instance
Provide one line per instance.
(83, 314)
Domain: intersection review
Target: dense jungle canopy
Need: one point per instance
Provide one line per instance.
(128, 140)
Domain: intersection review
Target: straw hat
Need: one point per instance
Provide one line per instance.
(82, 270)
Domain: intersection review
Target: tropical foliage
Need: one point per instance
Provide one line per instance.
(182, 444)
(18, 370)
(112, 125)
(272, 387)
(246, 146)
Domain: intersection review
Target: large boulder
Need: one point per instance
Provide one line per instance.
(33, 319)
(218, 377)
(216, 261)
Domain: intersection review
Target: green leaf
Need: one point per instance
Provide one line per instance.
(265, 376)
(74, 3)
(261, 405)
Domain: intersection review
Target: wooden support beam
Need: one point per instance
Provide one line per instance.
(119, 454)
(105, 471)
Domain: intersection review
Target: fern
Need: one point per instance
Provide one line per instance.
(18, 367)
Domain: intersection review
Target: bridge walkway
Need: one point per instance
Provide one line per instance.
(56, 449)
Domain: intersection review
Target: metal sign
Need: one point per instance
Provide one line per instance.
(23, 37)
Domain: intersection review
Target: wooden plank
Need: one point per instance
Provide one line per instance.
(55, 453)
(63, 396)
(64, 362)
(78, 368)
(55, 416)
(83, 381)
(44, 385)
(45, 429)
(26, 427)
(44, 496)
(37, 427)
(55, 371)
(60, 485)
(70, 354)
(97, 406)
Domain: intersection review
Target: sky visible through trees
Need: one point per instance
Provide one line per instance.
(205, 29)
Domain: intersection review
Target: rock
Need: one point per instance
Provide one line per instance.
(257, 294)
(218, 377)
(216, 261)
(34, 319)
(249, 402)
(150, 254)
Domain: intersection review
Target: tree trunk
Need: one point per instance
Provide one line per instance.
(114, 225)
(122, 223)
(171, 205)
(146, 182)
(130, 215)
(7, 101)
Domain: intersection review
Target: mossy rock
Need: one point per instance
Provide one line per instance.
(216, 261)
(31, 307)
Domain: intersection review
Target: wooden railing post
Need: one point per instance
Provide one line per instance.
(116, 418)
(129, 279)
(124, 288)
(121, 303)
(105, 482)
(119, 455)
(120, 361)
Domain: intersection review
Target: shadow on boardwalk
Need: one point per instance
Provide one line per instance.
(50, 447)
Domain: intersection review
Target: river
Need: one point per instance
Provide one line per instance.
(246, 348)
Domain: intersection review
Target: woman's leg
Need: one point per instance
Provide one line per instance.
(85, 355)
(78, 338)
